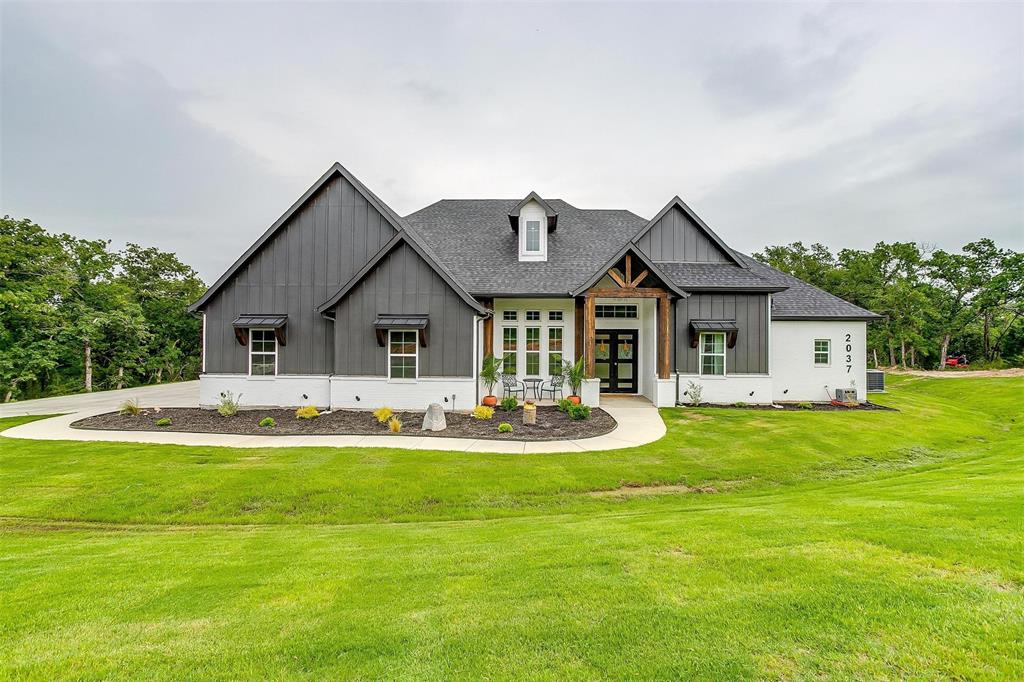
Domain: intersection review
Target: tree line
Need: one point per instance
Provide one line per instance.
(936, 303)
(75, 315)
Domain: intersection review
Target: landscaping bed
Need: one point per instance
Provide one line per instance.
(551, 424)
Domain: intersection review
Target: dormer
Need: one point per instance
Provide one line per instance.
(532, 219)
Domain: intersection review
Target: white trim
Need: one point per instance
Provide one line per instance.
(415, 355)
(701, 355)
(252, 341)
(533, 212)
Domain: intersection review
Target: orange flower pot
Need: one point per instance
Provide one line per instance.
(489, 400)
(575, 399)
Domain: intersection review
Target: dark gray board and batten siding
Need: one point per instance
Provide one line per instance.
(676, 238)
(403, 284)
(317, 251)
(750, 355)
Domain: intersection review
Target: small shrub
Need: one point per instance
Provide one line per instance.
(804, 406)
(504, 427)
(509, 403)
(739, 403)
(695, 392)
(483, 412)
(308, 412)
(564, 404)
(578, 412)
(383, 414)
(267, 422)
(395, 424)
(163, 421)
(228, 405)
(130, 406)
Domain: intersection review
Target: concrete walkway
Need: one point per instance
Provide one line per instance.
(638, 424)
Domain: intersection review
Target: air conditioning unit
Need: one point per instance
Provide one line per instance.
(876, 381)
(846, 395)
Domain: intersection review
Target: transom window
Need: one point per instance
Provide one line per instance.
(619, 310)
(532, 236)
(554, 315)
(554, 351)
(712, 353)
(532, 351)
(510, 315)
(533, 316)
(402, 353)
(509, 346)
(822, 351)
(262, 352)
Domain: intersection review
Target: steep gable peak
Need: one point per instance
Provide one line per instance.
(676, 207)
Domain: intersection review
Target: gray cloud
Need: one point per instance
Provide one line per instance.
(192, 126)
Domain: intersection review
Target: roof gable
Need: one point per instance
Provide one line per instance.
(677, 234)
(551, 213)
(650, 266)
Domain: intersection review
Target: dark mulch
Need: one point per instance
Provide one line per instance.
(821, 407)
(551, 424)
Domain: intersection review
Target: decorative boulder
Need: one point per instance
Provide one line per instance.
(434, 420)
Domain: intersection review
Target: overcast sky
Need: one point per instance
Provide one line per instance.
(193, 126)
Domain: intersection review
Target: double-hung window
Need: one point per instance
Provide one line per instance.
(402, 353)
(712, 353)
(822, 352)
(532, 241)
(532, 351)
(509, 348)
(262, 352)
(554, 351)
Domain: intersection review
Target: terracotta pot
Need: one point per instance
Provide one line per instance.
(575, 399)
(489, 400)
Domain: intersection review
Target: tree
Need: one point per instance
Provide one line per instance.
(33, 279)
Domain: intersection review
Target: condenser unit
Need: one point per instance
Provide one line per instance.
(876, 381)
(846, 395)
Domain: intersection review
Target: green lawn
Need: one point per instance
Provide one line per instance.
(870, 544)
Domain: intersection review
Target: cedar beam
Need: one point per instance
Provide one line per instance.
(614, 274)
(489, 328)
(639, 278)
(629, 268)
(644, 292)
(664, 338)
(589, 328)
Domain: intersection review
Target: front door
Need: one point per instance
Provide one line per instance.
(615, 360)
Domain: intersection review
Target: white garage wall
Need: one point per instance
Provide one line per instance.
(795, 376)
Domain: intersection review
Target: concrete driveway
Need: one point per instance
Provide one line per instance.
(183, 394)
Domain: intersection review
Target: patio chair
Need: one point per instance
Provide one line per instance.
(556, 384)
(512, 386)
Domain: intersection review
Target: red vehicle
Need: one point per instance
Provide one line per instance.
(957, 360)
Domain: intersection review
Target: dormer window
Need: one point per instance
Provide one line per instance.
(532, 236)
(533, 219)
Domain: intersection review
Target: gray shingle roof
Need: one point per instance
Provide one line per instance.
(473, 240)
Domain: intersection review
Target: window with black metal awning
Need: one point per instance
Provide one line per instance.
(388, 321)
(277, 322)
(727, 327)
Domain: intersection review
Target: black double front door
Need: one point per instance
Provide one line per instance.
(615, 360)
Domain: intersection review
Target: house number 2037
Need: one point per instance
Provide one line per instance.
(849, 353)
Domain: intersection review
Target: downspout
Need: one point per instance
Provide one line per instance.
(675, 345)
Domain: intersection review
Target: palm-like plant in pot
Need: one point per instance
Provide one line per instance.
(574, 373)
(490, 372)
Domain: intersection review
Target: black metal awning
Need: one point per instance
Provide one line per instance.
(386, 321)
(728, 327)
(243, 323)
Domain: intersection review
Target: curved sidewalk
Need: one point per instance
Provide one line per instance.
(638, 424)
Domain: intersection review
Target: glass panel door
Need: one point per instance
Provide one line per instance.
(615, 360)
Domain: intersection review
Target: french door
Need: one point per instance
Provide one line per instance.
(615, 360)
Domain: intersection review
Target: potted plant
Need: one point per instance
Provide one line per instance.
(574, 374)
(489, 372)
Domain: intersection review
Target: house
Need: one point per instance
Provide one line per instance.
(344, 303)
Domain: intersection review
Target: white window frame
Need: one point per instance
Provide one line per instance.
(526, 238)
(539, 352)
(561, 353)
(510, 316)
(555, 316)
(701, 354)
(251, 352)
(828, 353)
(514, 352)
(416, 344)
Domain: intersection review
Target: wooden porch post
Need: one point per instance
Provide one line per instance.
(664, 338)
(489, 328)
(588, 333)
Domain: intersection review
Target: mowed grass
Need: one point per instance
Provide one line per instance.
(837, 545)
